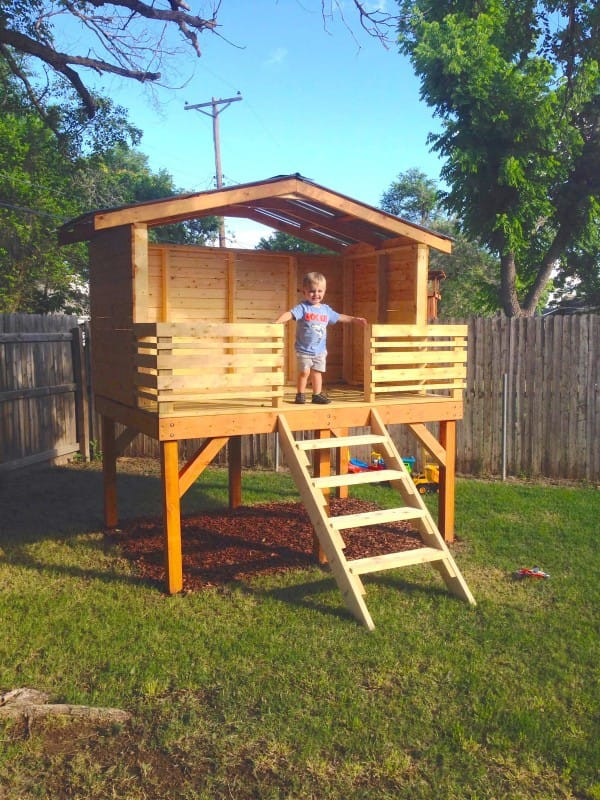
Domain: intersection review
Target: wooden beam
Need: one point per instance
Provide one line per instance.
(321, 469)
(139, 269)
(169, 463)
(124, 439)
(387, 222)
(382, 299)
(199, 461)
(429, 442)
(165, 274)
(342, 460)
(109, 472)
(174, 209)
(421, 278)
(447, 486)
(235, 471)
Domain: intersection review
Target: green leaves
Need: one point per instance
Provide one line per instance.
(47, 179)
(516, 84)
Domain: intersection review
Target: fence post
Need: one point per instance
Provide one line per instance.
(82, 408)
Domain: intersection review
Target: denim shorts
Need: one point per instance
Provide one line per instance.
(306, 362)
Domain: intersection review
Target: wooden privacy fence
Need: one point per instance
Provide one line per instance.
(44, 393)
(532, 398)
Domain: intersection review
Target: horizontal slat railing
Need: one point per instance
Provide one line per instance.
(413, 358)
(183, 363)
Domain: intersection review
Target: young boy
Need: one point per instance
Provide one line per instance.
(312, 317)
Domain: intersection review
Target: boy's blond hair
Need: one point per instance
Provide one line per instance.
(313, 277)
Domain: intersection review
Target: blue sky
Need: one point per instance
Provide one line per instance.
(331, 104)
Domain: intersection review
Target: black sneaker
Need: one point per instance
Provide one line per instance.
(300, 398)
(320, 399)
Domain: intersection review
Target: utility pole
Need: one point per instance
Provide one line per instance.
(214, 114)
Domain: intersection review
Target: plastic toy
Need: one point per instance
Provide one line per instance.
(428, 481)
(409, 463)
(531, 572)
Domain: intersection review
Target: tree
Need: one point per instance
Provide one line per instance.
(412, 196)
(473, 281)
(128, 38)
(516, 85)
(47, 180)
(283, 242)
(121, 175)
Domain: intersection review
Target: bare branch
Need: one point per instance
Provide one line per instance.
(30, 91)
(376, 22)
(127, 48)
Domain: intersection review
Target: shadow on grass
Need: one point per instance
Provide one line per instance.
(63, 503)
(306, 594)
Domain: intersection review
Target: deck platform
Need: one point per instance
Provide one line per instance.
(239, 417)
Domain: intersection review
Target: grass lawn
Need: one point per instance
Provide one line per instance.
(270, 689)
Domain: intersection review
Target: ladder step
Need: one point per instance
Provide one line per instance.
(356, 478)
(339, 441)
(376, 517)
(406, 558)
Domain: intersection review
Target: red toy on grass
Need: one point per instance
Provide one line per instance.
(531, 572)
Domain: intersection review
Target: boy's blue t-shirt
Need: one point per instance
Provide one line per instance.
(311, 328)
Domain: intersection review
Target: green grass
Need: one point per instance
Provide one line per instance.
(271, 690)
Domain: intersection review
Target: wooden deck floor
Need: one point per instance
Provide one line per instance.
(347, 409)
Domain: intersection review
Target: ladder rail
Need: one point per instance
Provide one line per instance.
(346, 572)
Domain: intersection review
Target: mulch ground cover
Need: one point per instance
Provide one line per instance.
(221, 547)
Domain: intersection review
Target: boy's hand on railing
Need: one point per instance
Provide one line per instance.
(360, 321)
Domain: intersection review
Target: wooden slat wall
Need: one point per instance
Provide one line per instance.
(188, 284)
(37, 389)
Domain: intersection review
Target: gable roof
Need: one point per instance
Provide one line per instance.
(288, 203)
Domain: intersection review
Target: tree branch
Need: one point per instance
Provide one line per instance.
(60, 62)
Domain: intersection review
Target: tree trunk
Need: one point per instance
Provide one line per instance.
(508, 286)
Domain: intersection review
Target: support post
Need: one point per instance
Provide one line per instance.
(447, 486)
(321, 468)
(82, 410)
(169, 463)
(109, 472)
(342, 460)
(234, 458)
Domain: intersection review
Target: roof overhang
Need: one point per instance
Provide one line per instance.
(289, 203)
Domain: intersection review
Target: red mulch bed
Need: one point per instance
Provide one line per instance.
(220, 547)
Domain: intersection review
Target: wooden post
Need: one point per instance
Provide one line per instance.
(369, 394)
(109, 472)
(447, 480)
(342, 459)
(321, 468)
(169, 463)
(234, 458)
(82, 409)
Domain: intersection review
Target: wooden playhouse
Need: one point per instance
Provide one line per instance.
(184, 347)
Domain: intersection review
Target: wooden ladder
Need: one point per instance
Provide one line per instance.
(347, 573)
